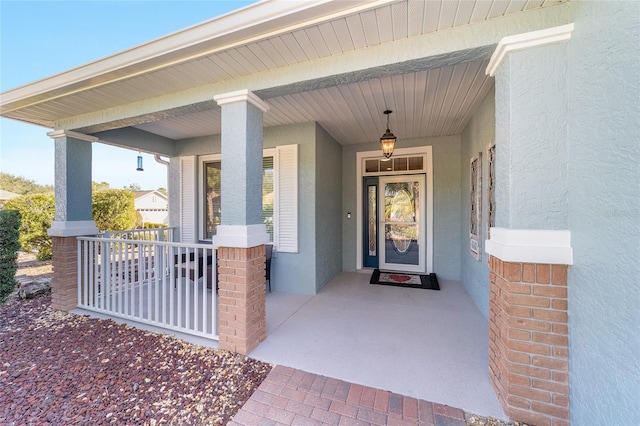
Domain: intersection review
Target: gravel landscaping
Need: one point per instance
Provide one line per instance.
(59, 368)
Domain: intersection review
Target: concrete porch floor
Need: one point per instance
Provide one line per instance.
(425, 344)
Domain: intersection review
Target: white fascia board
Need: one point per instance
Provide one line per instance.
(522, 41)
(530, 246)
(253, 22)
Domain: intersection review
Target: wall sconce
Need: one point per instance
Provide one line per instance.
(388, 140)
(140, 169)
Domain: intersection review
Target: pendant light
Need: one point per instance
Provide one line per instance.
(388, 140)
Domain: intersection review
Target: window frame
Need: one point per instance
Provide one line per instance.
(208, 158)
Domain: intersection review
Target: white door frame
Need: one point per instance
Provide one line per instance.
(360, 156)
(420, 178)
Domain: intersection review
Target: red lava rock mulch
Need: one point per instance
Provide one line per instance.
(58, 368)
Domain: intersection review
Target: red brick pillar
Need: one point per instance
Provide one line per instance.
(64, 284)
(528, 341)
(241, 298)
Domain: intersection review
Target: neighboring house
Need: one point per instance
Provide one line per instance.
(153, 206)
(528, 110)
(6, 196)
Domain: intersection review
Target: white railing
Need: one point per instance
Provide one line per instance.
(165, 284)
(151, 234)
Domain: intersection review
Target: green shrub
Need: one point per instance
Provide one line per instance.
(114, 209)
(37, 211)
(152, 225)
(9, 246)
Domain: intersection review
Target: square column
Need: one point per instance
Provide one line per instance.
(528, 324)
(242, 316)
(73, 213)
(531, 129)
(241, 236)
(530, 251)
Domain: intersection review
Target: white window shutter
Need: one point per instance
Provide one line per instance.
(287, 199)
(188, 205)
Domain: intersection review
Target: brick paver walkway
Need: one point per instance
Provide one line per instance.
(294, 397)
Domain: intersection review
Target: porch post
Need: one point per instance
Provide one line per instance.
(73, 213)
(241, 236)
(530, 249)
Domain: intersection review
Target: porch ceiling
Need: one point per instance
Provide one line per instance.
(427, 99)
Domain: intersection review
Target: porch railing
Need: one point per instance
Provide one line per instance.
(161, 283)
(150, 234)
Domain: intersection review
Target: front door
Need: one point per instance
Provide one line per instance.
(401, 212)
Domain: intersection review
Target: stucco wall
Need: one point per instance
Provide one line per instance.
(531, 153)
(604, 213)
(328, 208)
(446, 194)
(292, 272)
(479, 133)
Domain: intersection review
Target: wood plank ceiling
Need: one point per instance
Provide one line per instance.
(425, 103)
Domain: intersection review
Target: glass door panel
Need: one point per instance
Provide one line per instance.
(370, 234)
(401, 212)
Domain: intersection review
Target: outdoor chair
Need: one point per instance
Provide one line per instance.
(181, 269)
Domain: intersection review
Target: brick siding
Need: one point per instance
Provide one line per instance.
(528, 341)
(64, 284)
(241, 298)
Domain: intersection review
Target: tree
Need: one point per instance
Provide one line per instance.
(114, 209)
(163, 191)
(99, 186)
(21, 185)
(37, 212)
(133, 187)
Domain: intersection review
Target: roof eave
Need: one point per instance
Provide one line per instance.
(255, 21)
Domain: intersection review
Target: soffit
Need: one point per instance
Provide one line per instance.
(458, 88)
(429, 103)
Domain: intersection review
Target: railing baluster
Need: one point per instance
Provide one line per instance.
(135, 269)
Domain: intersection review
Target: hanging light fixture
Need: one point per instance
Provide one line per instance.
(140, 169)
(388, 140)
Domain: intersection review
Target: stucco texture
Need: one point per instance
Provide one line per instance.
(604, 213)
(479, 133)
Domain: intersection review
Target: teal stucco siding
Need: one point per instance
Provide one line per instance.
(604, 213)
(479, 133)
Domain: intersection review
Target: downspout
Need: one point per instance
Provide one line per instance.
(166, 163)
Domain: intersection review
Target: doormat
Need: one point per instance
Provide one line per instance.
(399, 279)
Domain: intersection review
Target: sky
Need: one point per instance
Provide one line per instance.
(39, 39)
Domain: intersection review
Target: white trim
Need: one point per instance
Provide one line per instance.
(59, 134)
(428, 151)
(243, 95)
(241, 236)
(526, 40)
(72, 228)
(531, 246)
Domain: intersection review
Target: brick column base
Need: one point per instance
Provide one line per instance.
(64, 284)
(242, 323)
(528, 341)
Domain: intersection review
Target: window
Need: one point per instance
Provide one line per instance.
(200, 197)
(213, 198)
